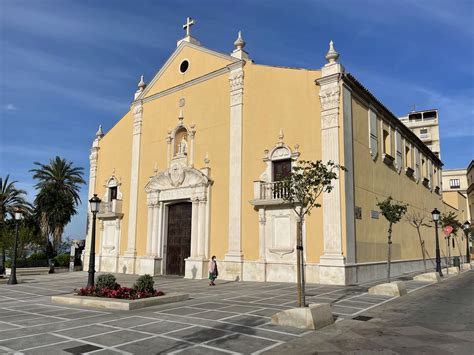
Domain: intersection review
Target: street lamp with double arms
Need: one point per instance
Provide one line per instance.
(12, 280)
(435, 214)
(95, 203)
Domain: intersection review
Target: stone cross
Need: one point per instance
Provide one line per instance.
(187, 26)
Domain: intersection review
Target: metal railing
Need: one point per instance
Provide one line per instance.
(273, 190)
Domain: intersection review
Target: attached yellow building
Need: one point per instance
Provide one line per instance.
(192, 170)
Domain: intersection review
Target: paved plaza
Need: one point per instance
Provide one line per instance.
(233, 317)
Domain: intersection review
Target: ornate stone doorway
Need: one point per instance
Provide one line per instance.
(178, 246)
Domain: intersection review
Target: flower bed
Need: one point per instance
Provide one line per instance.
(107, 287)
(126, 293)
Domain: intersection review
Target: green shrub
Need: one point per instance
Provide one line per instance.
(8, 263)
(144, 284)
(61, 260)
(37, 256)
(106, 281)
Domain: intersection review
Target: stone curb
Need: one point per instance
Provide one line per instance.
(428, 277)
(118, 304)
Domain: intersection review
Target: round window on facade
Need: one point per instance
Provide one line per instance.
(184, 66)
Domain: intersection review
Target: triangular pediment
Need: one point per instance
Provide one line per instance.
(201, 61)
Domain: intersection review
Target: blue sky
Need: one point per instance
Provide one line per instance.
(68, 66)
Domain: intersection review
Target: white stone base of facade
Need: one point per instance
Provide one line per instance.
(150, 265)
(107, 263)
(127, 264)
(315, 316)
(428, 277)
(393, 289)
(197, 268)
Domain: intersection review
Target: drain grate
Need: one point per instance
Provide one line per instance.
(362, 318)
(82, 349)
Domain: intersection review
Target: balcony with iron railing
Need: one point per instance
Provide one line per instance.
(110, 209)
(269, 193)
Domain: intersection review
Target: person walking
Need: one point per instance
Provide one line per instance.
(212, 271)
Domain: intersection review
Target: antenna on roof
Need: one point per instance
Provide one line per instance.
(414, 108)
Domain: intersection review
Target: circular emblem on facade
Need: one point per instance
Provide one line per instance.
(183, 67)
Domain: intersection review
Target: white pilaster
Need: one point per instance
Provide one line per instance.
(156, 231)
(261, 234)
(194, 228)
(236, 79)
(332, 261)
(132, 214)
(149, 230)
(93, 158)
(202, 229)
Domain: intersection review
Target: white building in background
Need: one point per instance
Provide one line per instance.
(426, 126)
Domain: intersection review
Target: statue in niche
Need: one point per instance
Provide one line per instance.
(182, 147)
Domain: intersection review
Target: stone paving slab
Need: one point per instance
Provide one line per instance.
(233, 317)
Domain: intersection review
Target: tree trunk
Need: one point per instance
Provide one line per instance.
(298, 269)
(389, 251)
(422, 244)
(300, 250)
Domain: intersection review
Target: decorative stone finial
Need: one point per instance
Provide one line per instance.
(239, 42)
(155, 169)
(141, 84)
(332, 55)
(206, 161)
(181, 117)
(99, 134)
(281, 136)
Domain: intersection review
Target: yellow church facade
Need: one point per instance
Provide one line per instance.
(192, 170)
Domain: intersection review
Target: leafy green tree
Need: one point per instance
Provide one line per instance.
(305, 183)
(393, 212)
(58, 197)
(11, 200)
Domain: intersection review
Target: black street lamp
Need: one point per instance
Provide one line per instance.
(95, 203)
(466, 227)
(435, 214)
(12, 280)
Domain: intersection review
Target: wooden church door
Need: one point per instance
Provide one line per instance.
(178, 245)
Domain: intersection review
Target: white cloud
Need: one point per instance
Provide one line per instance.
(9, 107)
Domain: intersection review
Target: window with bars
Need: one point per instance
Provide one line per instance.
(454, 183)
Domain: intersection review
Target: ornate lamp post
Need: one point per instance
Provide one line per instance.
(12, 280)
(435, 214)
(95, 203)
(466, 227)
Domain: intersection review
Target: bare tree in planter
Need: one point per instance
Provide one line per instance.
(305, 183)
(393, 212)
(417, 220)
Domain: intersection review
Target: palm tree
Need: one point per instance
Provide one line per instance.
(58, 196)
(11, 200)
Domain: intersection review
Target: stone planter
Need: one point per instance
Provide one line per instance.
(118, 304)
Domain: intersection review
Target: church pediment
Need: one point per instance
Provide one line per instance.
(189, 61)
